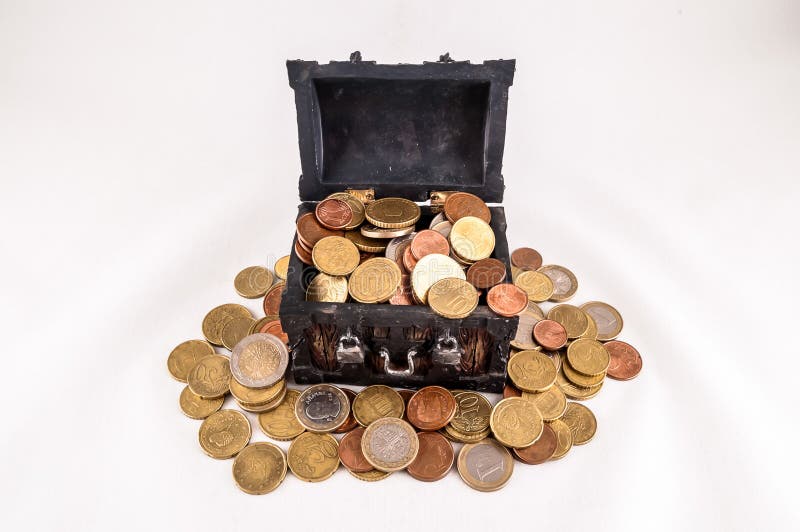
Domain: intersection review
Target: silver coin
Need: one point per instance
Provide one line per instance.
(565, 284)
(322, 408)
(486, 465)
(394, 244)
(606, 317)
(443, 228)
(390, 444)
(439, 218)
(259, 360)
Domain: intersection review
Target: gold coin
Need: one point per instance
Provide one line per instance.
(565, 284)
(235, 330)
(515, 272)
(281, 423)
(571, 317)
(253, 282)
(371, 231)
(579, 379)
(551, 404)
(183, 358)
(452, 298)
(374, 280)
(532, 371)
(430, 269)
(523, 339)
(375, 402)
(588, 357)
(581, 422)
(392, 213)
(537, 285)
(472, 413)
(516, 422)
(573, 391)
(390, 444)
(210, 377)
(591, 330)
(197, 407)
(259, 324)
(325, 288)
(282, 267)
(370, 476)
(223, 434)
(355, 204)
(256, 396)
(335, 255)
(462, 437)
(485, 466)
(313, 457)
(258, 409)
(259, 468)
(606, 317)
(472, 239)
(217, 317)
(563, 439)
(364, 243)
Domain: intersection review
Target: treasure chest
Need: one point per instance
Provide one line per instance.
(415, 132)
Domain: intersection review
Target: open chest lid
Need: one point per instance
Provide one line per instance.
(401, 130)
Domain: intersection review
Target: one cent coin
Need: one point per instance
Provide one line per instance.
(390, 444)
(434, 459)
(310, 231)
(462, 204)
(626, 362)
(486, 273)
(507, 299)
(526, 259)
(542, 450)
(486, 465)
(350, 452)
(334, 213)
(322, 408)
(272, 299)
(431, 408)
(550, 334)
(259, 360)
(428, 241)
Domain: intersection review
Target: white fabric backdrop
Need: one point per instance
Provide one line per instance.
(148, 152)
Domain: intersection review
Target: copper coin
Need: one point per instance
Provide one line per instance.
(486, 273)
(310, 231)
(272, 300)
(428, 241)
(550, 334)
(626, 362)
(403, 294)
(434, 458)
(408, 259)
(302, 254)
(526, 259)
(274, 328)
(542, 450)
(350, 423)
(334, 213)
(510, 391)
(461, 204)
(431, 408)
(364, 256)
(507, 299)
(350, 452)
(406, 395)
(398, 254)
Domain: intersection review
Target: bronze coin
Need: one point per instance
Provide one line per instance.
(406, 395)
(364, 256)
(428, 241)
(398, 257)
(334, 213)
(350, 452)
(431, 408)
(403, 295)
(272, 300)
(302, 254)
(510, 391)
(274, 328)
(434, 458)
(486, 273)
(310, 231)
(507, 299)
(526, 259)
(550, 334)
(350, 423)
(626, 362)
(408, 259)
(542, 450)
(461, 204)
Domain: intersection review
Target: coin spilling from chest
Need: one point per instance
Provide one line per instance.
(322, 408)
(390, 444)
(431, 408)
(259, 468)
(486, 465)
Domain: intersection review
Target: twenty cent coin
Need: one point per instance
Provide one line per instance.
(516, 422)
(281, 422)
(223, 434)
(581, 422)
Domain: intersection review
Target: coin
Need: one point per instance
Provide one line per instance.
(579, 379)
(375, 402)
(327, 288)
(406, 395)
(182, 359)
(235, 330)
(259, 323)
(431, 408)
(506, 299)
(571, 317)
(216, 319)
(551, 403)
(573, 391)
(565, 284)
(310, 231)
(350, 452)
(528, 318)
(266, 407)
(197, 407)
(526, 259)
(272, 300)
(550, 334)
(626, 362)
(443, 228)
(532, 371)
(472, 413)
(563, 439)
(581, 422)
(461, 204)
(403, 295)
(313, 457)
(259, 468)
(374, 281)
(541, 451)
(363, 243)
(472, 238)
(356, 207)
(335, 255)
(370, 476)
(452, 298)
(210, 377)
(281, 423)
(510, 391)
(396, 245)
(486, 465)
(516, 422)
(372, 231)
(409, 262)
(334, 213)
(463, 437)
(390, 444)
(434, 459)
(275, 328)
(591, 330)
(486, 273)
(588, 357)
(223, 434)
(282, 267)
(392, 212)
(256, 396)
(430, 269)
(253, 282)
(322, 408)
(607, 318)
(259, 360)
(302, 253)
(428, 241)
(515, 272)
(537, 285)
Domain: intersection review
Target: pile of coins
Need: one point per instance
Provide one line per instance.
(564, 353)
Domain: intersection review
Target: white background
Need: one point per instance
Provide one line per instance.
(148, 152)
